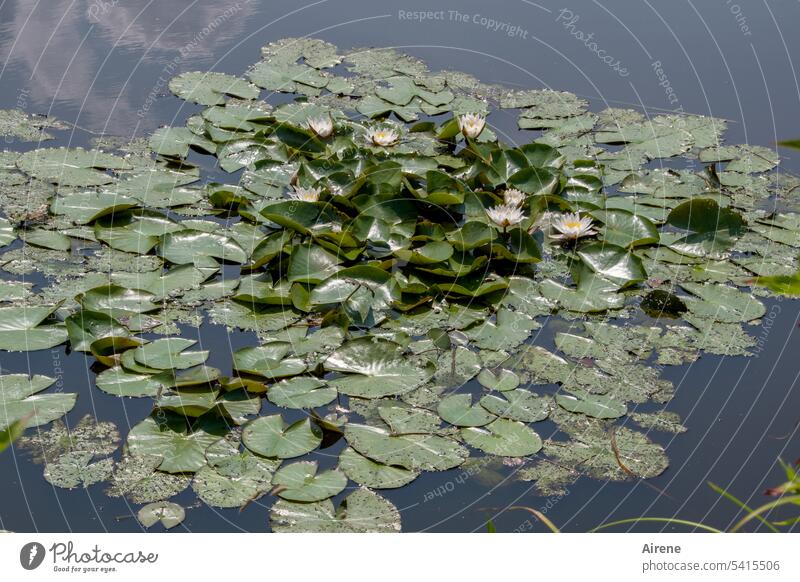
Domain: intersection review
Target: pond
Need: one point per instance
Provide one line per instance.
(625, 421)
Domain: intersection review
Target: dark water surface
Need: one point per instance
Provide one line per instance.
(104, 65)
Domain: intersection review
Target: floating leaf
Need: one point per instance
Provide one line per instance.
(506, 438)
(376, 369)
(181, 448)
(136, 478)
(169, 353)
(76, 470)
(71, 166)
(594, 405)
(270, 436)
(305, 392)
(23, 329)
(458, 410)
(210, 88)
(167, 513)
(517, 404)
(369, 473)
(723, 303)
(412, 451)
(302, 481)
(21, 400)
(502, 381)
(361, 512)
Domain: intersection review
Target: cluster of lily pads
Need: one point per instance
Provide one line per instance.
(395, 271)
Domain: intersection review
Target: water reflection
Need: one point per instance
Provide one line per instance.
(90, 55)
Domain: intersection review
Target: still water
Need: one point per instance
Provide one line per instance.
(104, 66)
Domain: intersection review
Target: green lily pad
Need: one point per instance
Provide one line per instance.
(517, 404)
(187, 246)
(117, 302)
(137, 478)
(208, 88)
(369, 473)
(176, 141)
(594, 405)
(22, 329)
(233, 478)
(376, 368)
(361, 512)
(119, 382)
(505, 438)
(71, 166)
(270, 436)
(415, 452)
(76, 470)
(165, 512)
(301, 392)
(723, 303)
(169, 354)
(502, 381)
(181, 448)
(458, 410)
(301, 481)
(20, 399)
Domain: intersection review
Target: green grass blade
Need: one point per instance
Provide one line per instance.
(657, 519)
(741, 504)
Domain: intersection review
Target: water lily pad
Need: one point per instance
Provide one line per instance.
(625, 229)
(85, 207)
(187, 246)
(137, 478)
(415, 452)
(613, 263)
(165, 512)
(302, 481)
(301, 392)
(6, 232)
(176, 141)
(594, 405)
(723, 303)
(48, 239)
(369, 473)
(458, 410)
(119, 382)
(22, 329)
(71, 166)
(502, 380)
(170, 353)
(376, 368)
(77, 470)
(268, 361)
(270, 436)
(20, 399)
(117, 302)
(361, 512)
(182, 448)
(517, 404)
(505, 438)
(208, 88)
(233, 478)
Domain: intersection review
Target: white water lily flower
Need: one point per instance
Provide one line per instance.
(471, 124)
(305, 194)
(572, 226)
(382, 137)
(506, 215)
(514, 197)
(322, 126)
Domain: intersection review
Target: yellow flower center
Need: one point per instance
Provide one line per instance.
(572, 224)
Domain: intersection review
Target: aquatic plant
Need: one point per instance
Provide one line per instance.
(396, 272)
